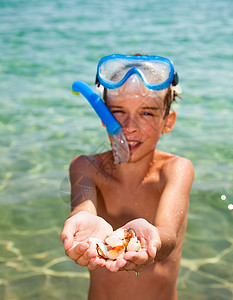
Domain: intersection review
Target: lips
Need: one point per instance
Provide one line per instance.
(133, 145)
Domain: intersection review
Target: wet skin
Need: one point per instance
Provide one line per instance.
(149, 194)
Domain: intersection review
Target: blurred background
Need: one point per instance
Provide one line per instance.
(44, 47)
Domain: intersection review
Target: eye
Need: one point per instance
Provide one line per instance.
(146, 113)
(118, 111)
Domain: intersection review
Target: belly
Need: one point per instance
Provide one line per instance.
(154, 282)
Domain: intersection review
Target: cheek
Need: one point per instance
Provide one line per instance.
(152, 127)
(120, 118)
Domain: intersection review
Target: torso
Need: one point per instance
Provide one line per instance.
(119, 204)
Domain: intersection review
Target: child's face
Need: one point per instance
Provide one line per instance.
(141, 117)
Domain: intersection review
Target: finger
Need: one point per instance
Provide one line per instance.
(121, 263)
(96, 262)
(116, 265)
(124, 268)
(67, 234)
(77, 250)
(83, 257)
(90, 253)
(111, 265)
(100, 261)
(130, 266)
(82, 254)
(137, 257)
(152, 249)
(92, 265)
(81, 247)
(67, 239)
(81, 261)
(72, 254)
(91, 262)
(150, 261)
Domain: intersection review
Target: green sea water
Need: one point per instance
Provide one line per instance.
(44, 47)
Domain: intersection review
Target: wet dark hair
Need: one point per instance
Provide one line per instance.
(168, 99)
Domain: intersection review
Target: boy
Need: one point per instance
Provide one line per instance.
(150, 193)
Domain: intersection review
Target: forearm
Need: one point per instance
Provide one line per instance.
(87, 206)
(168, 242)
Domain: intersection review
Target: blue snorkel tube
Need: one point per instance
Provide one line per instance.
(120, 147)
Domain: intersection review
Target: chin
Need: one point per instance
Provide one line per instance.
(136, 158)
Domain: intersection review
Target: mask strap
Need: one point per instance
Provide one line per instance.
(97, 80)
(175, 80)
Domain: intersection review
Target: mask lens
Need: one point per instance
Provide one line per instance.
(155, 72)
(113, 70)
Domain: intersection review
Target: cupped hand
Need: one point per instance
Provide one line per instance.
(150, 244)
(75, 235)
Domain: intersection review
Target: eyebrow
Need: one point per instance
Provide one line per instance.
(115, 106)
(151, 107)
(144, 107)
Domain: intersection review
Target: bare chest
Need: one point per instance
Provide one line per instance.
(119, 204)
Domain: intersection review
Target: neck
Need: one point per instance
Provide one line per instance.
(133, 173)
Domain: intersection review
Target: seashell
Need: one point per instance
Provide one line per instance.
(102, 250)
(115, 245)
(120, 233)
(93, 242)
(96, 240)
(129, 233)
(115, 252)
(114, 241)
(134, 245)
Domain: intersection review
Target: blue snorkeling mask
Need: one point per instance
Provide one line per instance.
(157, 73)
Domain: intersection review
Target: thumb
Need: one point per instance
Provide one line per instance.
(67, 234)
(152, 249)
(68, 241)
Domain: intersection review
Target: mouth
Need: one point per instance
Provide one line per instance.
(133, 145)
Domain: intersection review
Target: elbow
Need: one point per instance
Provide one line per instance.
(168, 244)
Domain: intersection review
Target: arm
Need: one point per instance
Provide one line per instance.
(173, 206)
(83, 221)
(83, 189)
(159, 240)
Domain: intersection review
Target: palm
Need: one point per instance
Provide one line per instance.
(88, 225)
(76, 232)
(148, 236)
(145, 232)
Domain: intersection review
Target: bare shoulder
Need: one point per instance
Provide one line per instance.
(80, 162)
(179, 163)
(175, 168)
(90, 165)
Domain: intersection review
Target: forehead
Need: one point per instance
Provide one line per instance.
(154, 98)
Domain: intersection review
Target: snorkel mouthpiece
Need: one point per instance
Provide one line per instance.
(120, 147)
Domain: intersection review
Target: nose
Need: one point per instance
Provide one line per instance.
(130, 125)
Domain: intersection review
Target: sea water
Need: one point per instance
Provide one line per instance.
(47, 45)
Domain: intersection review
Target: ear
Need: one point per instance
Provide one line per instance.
(169, 122)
